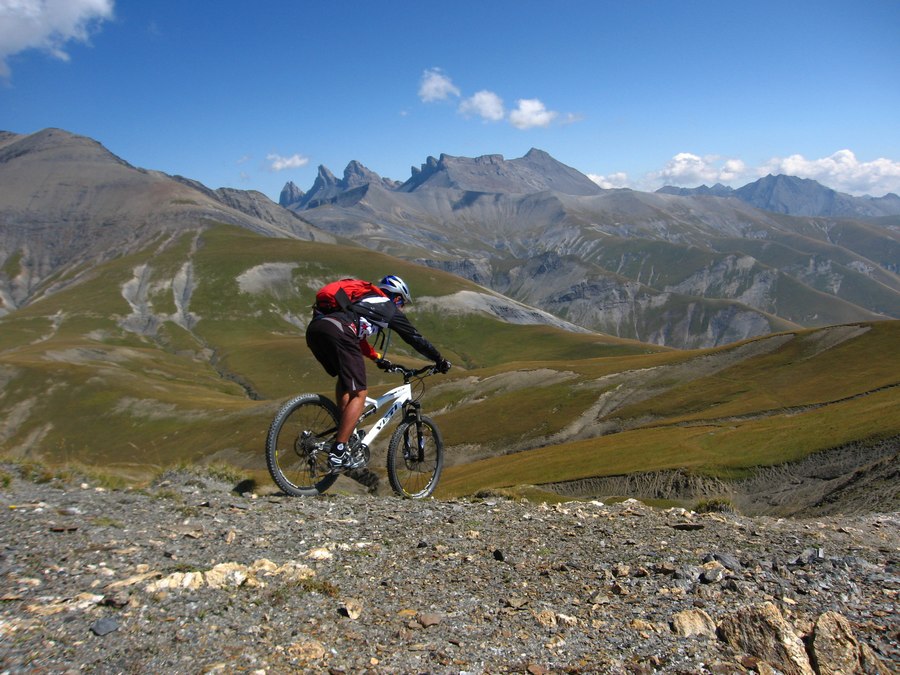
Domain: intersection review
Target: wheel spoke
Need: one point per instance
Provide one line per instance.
(297, 445)
(415, 459)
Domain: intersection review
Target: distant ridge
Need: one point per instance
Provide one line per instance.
(66, 202)
(327, 187)
(535, 172)
(797, 197)
(679, 267)
(679, 271)
(717, 190)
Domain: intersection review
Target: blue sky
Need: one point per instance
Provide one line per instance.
(634, 93)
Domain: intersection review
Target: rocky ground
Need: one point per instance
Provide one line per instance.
(188, 576)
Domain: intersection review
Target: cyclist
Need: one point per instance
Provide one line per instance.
(339, 341)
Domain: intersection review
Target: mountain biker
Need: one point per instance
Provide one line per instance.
(339, 341)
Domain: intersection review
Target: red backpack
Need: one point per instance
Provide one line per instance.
(339, 295)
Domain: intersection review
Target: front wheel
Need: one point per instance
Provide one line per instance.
(415, 458)
(297, 445)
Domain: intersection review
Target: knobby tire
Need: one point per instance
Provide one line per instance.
(297, 445)
(414, 470)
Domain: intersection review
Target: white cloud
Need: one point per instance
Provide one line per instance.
(531, 113)
(279, 163)
(485, 104)
(613, 180)
(688, 169)
(47, 25)
(841, 171)
(732, 169)
(436, 86)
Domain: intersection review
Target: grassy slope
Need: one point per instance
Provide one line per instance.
(79, 388)
(76, 387)
(716, 449)
(775, 407)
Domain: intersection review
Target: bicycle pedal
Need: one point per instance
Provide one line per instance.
(356, 463)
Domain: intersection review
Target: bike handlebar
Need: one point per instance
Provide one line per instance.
(409, 373)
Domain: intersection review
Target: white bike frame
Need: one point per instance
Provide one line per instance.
(399, 395)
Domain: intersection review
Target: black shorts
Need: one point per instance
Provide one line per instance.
(336, 347)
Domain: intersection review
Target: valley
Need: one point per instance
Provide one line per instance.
(141, 332)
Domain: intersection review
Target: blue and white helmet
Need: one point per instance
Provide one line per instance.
(394, 285)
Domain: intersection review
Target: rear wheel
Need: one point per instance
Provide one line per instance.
(297, 445)
(415, 458)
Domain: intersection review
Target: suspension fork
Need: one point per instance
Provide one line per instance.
(414, 410)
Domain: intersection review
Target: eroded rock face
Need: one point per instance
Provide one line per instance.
(853, 478)
(834, 650)
(833, 647)
(763, 632)
(692, 623)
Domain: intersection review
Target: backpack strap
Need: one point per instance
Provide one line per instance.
(383, 341)
(343, 300)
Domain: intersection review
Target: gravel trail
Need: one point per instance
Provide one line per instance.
(187, 576)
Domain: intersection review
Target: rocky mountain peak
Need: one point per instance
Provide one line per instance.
(57, 146)
(789, 194)
(324, 179)
(772, 183)
(290, 195)
(327, 187)
(535, 153)
(537, 171)
(797, 197)
(356, 174)
(430, 166)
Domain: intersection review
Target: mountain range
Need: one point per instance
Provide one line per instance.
(682, 270)
(694, 269)
(797, 197)
(67, 203)
(538, 171)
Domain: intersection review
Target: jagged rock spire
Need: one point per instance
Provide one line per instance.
(290, 194)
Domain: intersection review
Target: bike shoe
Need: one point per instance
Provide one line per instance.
(339, 457)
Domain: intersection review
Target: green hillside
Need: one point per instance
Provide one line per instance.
(804, 392)
(182, 352)
(78, 387)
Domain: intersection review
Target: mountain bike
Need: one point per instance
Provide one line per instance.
(303, 430)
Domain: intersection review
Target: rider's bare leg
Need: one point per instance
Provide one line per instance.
(350, 405)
